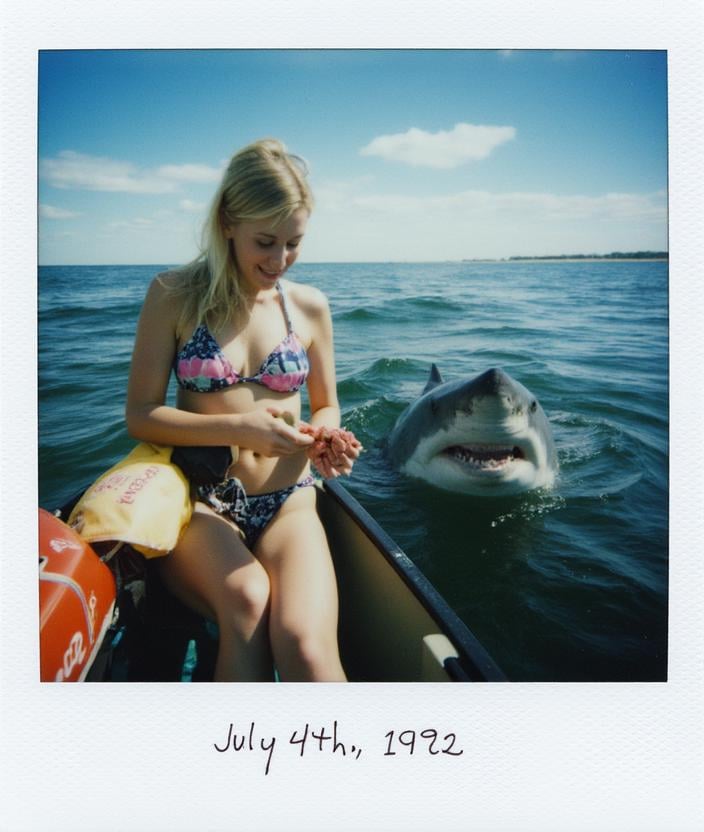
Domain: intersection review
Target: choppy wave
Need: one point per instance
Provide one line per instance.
(360, 315)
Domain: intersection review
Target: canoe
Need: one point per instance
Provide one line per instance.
(394, 625)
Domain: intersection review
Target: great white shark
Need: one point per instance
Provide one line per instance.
(488, 436)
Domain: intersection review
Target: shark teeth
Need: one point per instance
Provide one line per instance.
(484, 456)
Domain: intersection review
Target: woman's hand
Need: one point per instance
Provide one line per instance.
(264, 432)
(334, 450)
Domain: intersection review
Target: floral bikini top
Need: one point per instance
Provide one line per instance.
(201, 366)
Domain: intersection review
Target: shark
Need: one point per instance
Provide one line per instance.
(484, 436)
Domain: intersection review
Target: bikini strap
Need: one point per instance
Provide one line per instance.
(284, 305)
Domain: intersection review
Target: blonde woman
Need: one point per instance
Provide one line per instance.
(242, 339)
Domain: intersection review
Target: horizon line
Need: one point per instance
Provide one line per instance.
(616, 255)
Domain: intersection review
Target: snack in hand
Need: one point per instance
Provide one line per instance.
(334, 450)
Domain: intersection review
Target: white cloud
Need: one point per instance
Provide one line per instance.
(528, 205)
(51, 212)
(362, 223)
(192, 207)
(58, 235)
(387, 226)
(443, 150)
(79, 171)
(336, 194)
(190, 173)
(135, 224)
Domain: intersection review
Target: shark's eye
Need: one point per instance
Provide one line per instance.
(533, 406)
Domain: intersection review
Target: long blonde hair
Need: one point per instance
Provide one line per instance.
(262, 181)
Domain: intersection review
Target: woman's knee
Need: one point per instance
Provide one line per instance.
(244, 596)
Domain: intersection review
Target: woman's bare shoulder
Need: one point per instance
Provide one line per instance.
(169, 281)
(309, 299)
(165, 297)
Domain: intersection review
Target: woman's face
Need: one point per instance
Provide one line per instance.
(265, 250)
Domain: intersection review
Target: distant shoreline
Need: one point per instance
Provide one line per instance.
(627, 256)
(572, 260)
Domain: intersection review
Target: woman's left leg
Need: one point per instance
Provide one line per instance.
(304, 608)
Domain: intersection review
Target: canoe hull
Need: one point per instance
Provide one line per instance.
(394, 626)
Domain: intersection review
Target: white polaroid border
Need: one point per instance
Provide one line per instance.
(535, 756)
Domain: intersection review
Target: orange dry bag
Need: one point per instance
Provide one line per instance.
(76, 602)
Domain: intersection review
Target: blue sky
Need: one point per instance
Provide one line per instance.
(414, 155)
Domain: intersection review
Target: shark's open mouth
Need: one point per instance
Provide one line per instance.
(484, 456)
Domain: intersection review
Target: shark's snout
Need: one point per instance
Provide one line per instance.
(483, 435)
(491, 383)
(494, 394)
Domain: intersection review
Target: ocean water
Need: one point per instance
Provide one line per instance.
(569, 584)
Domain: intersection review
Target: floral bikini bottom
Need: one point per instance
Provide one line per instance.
(251, 514)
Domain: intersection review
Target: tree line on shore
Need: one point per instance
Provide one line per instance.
(614, 255)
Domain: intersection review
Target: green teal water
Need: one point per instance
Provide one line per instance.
(564, 585)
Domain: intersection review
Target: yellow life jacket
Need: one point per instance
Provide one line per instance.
(143, 500)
